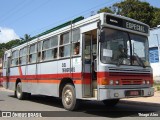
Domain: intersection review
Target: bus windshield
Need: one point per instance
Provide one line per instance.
(123, 48)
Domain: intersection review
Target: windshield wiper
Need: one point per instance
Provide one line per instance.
(139, 60)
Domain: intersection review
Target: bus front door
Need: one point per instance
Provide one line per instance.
(89, 51)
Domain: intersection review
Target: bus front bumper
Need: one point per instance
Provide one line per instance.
(125, 93)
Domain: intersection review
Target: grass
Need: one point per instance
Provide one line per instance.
(157, 86)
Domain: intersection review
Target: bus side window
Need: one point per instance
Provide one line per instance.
(75, 41)
(15, 55)
(76, 48)
(55, 53)
(32, 54)
(64, 49)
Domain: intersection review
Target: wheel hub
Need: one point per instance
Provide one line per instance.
(68, 97)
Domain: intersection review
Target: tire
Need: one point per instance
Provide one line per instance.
(69, 97)
(110, 103)
(19, 94)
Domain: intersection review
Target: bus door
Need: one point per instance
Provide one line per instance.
(89, 55)
(8, 71)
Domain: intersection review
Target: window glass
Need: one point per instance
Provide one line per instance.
(32, 48)
(14, 61)
(15, 54)
(46, 44)
(54, 41)
(76, 35)
(23, 60)
(55, 53)
(66, 50)
(76, 48)
(64, 38)
(23, 52)
(153, 55)
(32, 58)
(39, 46)
(47, 55)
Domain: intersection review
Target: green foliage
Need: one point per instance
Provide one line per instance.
(8, 45)
(26, 37)
(106, 9)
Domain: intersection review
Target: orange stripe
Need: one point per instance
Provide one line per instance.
(49, 81)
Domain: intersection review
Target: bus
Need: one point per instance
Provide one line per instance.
(103, 58)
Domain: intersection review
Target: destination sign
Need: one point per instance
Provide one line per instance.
(126, 24)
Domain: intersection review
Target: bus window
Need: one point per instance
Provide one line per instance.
(64, 50)
(76, 48)
(64, 38)
(32, 54)
(14, 61)
(75, 42)
(23, 56)
(49, 50)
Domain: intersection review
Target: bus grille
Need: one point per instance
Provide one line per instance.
(131, 82)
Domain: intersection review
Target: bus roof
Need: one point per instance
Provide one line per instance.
(79, 20)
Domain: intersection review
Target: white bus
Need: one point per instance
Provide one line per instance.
(103, 57)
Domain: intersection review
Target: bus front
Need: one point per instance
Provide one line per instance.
(123, 68)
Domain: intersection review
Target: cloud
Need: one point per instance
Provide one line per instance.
(7, 34)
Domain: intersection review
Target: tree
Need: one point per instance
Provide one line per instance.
(26, 37)
(156, 20)
(106, 9)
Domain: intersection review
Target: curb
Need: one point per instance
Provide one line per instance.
(139, 103)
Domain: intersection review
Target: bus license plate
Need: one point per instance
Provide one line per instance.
(133, 93)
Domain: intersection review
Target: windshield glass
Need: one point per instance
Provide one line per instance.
(120, 48)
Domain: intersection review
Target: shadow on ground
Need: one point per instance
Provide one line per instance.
(91, 108)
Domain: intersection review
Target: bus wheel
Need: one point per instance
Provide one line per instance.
(110, 103)
(69, 97)
(19, 94)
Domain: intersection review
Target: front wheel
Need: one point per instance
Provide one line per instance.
(110, 103)
(69, 97)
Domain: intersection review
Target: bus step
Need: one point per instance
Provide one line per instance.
(95, 93)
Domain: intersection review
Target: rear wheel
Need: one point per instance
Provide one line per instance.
(19, 94)
(110, 103)
(69, 97)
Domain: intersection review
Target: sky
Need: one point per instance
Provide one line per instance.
(19, 17)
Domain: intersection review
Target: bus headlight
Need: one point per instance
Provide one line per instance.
(144, 82)
(117, 82)
(148, 82)
(111, 82)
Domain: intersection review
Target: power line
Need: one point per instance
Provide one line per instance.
(15, 10)
(31, 11)
(73, 16)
